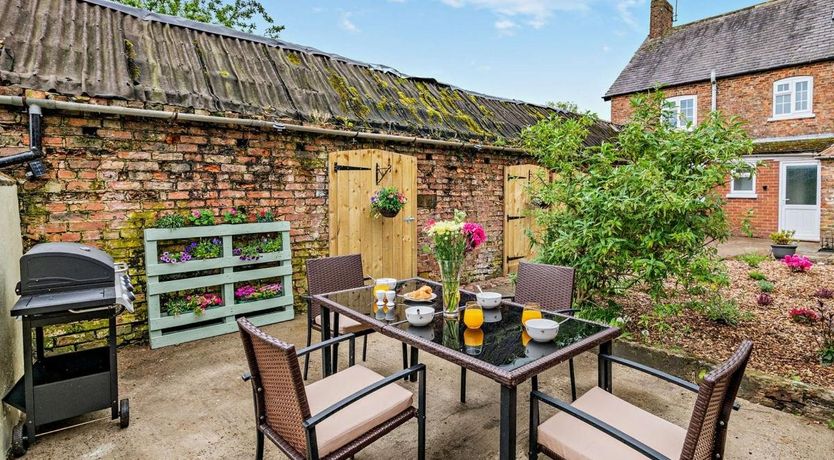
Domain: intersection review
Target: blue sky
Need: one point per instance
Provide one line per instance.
(533, 50)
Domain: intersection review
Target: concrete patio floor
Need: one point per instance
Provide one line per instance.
(188, 401)
(738, 245)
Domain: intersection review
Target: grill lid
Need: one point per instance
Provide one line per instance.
(53, 267)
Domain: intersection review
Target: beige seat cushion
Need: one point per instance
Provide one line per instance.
(356, 419)
(572, 438)
(346, 325)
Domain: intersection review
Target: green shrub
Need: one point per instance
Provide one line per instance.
(752, 259)
(765, 286)
(170, 221)
(638, 209)
(721, 310)
(756, 275)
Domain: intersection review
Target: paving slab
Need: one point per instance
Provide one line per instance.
(188, 401)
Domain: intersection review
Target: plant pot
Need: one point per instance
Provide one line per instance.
(782, 250)
(388, 213)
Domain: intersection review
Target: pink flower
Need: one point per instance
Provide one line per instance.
(804, 315)
(475, 235)
(797, 263)
(233, 211)
(195, 213)
(429, 224)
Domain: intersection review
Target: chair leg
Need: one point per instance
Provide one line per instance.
(365, 348)
(463, 385)
(307, 356)
(259, 446)
(532, 433)
(572, 380)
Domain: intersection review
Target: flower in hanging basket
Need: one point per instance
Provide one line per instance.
(387, 202)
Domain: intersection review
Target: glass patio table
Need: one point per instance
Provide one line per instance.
(500, 350)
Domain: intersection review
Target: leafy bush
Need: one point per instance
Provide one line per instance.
(756, 275)
(723, 311)
(752, 259)
(170, 221)
(765, 286)
(639, 209)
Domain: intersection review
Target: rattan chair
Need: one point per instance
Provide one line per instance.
(599, 425)
(330, 274)
(333, 418)
(551, 286)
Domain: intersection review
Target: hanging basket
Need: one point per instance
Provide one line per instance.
(389, 213)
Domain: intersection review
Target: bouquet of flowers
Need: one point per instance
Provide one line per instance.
(451, 241)
(387, 202)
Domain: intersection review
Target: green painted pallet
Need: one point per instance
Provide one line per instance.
(174, 329)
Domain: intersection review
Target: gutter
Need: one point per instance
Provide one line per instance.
(33, 156)
(20, 101)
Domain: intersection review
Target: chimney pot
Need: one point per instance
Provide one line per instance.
(660, 20)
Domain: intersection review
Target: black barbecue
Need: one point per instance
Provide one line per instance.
(63, 283)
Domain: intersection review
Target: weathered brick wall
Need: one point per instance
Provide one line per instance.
(750, 97)
(763, 211)
(109, 177)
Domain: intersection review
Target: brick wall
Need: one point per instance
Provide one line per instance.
(109, 177)
(750, 97)
(762, 212)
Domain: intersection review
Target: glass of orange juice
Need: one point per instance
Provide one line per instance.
(532, 310)
(473, 341)
(473, 315)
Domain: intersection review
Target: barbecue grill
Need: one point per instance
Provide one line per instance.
(64, 283)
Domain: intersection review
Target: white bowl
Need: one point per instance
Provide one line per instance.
(542, 330)
(488, 300)
(535, 350)
(391, 282)
(419, 316)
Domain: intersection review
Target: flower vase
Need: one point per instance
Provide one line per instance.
(450, 281)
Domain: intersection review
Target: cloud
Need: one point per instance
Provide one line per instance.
(505, 26)
(535, 13)
(346, 24)
(625, 7)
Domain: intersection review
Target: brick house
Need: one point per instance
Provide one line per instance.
(145, 114)
(772, 65)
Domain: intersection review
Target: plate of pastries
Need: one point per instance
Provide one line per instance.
(424, 294)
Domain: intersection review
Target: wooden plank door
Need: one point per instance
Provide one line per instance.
(518, 181)
(388, 246)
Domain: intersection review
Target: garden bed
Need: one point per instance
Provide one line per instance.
(782, 347)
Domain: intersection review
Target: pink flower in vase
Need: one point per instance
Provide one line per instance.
(475, 235)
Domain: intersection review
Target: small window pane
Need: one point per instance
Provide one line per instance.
(687, 111)
(783, 87)
(743, 184)
(801, 96)
(801, 185)
(783, 104)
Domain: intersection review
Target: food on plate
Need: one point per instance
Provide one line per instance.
(424, 293)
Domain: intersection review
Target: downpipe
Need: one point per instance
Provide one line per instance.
(32, 157)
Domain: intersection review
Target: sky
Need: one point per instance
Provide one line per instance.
(534, 50)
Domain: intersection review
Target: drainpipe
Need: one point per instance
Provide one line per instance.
(714, 82)
(177, 116)
(33, 156)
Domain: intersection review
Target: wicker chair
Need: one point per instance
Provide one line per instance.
(333, 418)
(330, 274)
(551, 286)
(601, 426)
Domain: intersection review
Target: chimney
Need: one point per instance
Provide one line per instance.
(660, 21)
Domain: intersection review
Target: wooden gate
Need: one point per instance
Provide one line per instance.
(388, 246)
(517, 216)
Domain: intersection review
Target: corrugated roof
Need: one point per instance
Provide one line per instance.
(100, 49)
(770, 35)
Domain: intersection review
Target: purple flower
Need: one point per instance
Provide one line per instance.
(236, 251)
(215, 241)
(185, 257)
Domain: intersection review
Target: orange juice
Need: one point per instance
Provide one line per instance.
(380, 287)
(530, 313)
(473, 337)
(473, 316)
(525, 338)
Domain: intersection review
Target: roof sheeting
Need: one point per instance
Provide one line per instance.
(775, 34)
(99, 49)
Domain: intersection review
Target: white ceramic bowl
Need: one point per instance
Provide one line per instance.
(542, 330)
(488, 300)
(391, 282)
(535, 350)
(419, 316)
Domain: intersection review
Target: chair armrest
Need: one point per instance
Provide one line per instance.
(508, 297)
(567, 311)
(339, 405)
(598, 424)
(326, 343)
(306, 297)
(651, 371)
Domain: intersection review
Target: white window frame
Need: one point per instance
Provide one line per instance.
(677, 110)
(744, 193)
(793, 114)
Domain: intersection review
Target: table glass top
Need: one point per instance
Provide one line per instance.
(501, 341)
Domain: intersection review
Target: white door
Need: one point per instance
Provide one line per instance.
(800, 199)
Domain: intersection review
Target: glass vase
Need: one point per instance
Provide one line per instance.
(450, 281)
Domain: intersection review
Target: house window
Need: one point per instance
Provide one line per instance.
(743, 185)
(793, 98)
(681, 112)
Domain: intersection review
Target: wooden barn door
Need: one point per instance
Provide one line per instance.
(388, 246)
(517, 216)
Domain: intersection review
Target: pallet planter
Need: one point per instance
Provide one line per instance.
(168, 329)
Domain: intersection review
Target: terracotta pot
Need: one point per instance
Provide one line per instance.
(782, 250)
